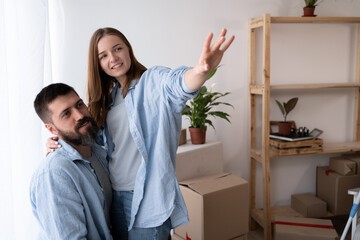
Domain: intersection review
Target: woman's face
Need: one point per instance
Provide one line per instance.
(114, 57)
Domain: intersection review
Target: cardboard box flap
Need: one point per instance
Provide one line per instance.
(342, 165)
(213, 183)
(189, 182)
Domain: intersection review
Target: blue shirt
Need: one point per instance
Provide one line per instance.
(154, 105)
(66, 197)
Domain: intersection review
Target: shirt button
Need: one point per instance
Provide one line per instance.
(92, 170)
(102, 189)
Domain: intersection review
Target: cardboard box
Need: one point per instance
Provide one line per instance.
(343, 166)
(308, 205)
(293, 228)
(242, 237)
(218, 207)
(197, 160)
(356, 158)
(332, 188)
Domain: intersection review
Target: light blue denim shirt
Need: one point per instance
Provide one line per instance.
(154, 104)
(66, 196)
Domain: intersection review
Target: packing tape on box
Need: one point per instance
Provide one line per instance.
(327, 172)
(304, 224)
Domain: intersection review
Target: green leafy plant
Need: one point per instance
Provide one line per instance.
(311, 3)
(285, 108)
(200, 108)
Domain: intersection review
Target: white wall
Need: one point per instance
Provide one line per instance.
(171, 33)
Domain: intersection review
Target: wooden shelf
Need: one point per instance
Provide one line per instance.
(327, 149)
(259, 89)
(315, 19)
(259, 22)
(265, 89)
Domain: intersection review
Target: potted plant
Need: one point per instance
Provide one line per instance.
(200, 109)
(310, 7)
(286, 108)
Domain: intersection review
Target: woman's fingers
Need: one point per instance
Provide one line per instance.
(219, 41)
(227, 44)
(52, 144)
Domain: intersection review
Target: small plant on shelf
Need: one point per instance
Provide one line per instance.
(310, 7)
(286, 108)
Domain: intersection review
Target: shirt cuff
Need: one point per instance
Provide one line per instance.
(183, 84)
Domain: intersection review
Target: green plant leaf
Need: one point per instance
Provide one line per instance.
(220, 114)
(224, 103)
(186, 111)
(312, 3)
(210, 123)
(200, 108)
(212, 72)
(282, 109)
(290, 105)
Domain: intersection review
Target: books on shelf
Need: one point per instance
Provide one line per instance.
(291, 137)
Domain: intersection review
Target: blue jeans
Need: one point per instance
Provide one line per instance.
(120, 218)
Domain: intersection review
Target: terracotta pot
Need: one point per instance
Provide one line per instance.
(197, 135)
(285, 128)
(309, 12)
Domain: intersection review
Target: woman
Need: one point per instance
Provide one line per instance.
(140, 114)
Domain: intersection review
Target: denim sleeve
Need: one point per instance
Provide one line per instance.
(174, 88)
(58, 206)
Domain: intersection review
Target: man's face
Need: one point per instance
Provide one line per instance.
(71, 120)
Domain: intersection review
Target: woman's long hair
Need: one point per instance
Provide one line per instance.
(99, 84)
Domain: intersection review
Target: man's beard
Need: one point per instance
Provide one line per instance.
(78, 138)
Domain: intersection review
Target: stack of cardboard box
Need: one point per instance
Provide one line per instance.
(217, 202)
(309, 226)
(334, 181)
(332, 185)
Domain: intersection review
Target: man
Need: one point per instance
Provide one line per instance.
(71, 192)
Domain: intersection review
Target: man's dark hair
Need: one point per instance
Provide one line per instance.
(46, 96)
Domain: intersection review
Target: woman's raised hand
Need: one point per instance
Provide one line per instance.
(211, 55)
(210, 58)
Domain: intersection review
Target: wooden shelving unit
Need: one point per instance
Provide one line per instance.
(264, 154)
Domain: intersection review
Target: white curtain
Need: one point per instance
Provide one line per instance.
(27, 36)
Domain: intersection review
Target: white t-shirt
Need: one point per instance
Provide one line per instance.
(126, 158)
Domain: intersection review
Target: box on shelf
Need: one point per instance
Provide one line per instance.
(218, 207)
(308, 205)
(343, 166)
(356, 158)
(294, 228)
(281, 147)
(332, 188)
